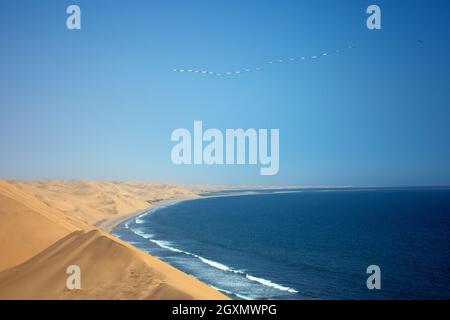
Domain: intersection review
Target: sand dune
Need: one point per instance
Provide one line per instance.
(110, 269)
(94, 201)
(28, 226)
(45, 226)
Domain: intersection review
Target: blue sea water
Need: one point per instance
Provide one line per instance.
(306, 244)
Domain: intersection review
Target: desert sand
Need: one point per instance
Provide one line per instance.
(47, 225)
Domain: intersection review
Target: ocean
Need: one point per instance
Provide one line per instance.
(305, 243)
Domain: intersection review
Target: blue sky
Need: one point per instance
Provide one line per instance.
(101, 102)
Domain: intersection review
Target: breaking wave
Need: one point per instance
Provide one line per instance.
(217, 265)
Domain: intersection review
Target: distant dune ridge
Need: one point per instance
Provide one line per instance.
(48, 225)
(93, 201)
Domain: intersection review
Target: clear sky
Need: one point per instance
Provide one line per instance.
(102, 102)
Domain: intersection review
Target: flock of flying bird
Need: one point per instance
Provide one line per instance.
(259, 68)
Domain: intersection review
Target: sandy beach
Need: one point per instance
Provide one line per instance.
(108, 225)
(48, 225)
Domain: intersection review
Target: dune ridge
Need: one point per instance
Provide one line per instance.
(47, 225)
(94, 201)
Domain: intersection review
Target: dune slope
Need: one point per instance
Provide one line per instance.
(38, 242)
(110, 269)
(28, 226)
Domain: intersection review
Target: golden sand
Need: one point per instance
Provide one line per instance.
(47, 225)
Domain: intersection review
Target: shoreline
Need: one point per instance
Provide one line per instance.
(109, 225)
(214, 264)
